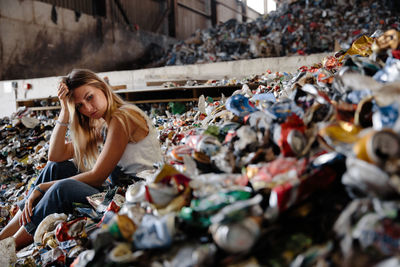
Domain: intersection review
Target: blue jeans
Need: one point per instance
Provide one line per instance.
(60, 196)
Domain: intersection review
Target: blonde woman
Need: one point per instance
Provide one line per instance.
(77, 169)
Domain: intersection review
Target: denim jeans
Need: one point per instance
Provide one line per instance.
(60, 196)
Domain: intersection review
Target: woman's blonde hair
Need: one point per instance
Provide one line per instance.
(84, 130)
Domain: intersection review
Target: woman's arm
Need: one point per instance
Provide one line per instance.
(59, 150)
(111, 153)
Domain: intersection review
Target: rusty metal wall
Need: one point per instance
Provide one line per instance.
(153, 15)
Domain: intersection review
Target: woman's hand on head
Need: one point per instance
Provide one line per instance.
(62, 94)
(27, 212)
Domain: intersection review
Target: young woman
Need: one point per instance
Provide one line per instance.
(88, 105)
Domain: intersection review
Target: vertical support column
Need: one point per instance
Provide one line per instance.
(172, 19)
(214, 18)
(108, 11)
(244, 10)
(265, 6)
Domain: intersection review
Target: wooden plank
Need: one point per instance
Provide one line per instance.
(36, 99)
(168, 100)
(153, 89)
(44, 108)
(118, 87)
(172, 18)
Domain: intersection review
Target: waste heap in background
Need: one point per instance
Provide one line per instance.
(302, 171)
(295, 28)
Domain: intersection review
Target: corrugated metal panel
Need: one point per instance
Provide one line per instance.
(189, 22)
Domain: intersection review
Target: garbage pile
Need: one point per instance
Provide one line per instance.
(23, 153)
(295, 28)
(302, 171)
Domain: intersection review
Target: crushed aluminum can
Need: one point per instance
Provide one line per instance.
(324, 170)
(207, 144)
(122, 227)
(155, 232)
(55, 257)
(388, 40)
(201, 209)
(289, 136)
(387, 117)
(195, 255)
(123, 254)
(237, 237)
(75, 251)
(135, 211)
(178, 152)
(112, 208)
(373, 223)
(363, 178)
(283, 109)
(377, 146)
(48, 224)
(4, 212)
(160, 194)
(239, 105)
(259, 120)
(238, 210)
(390, 72)
(84, 258)
(70, 230)
(265, 176)
(135, 192)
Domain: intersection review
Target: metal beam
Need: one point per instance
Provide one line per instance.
(160, 20)
(122, 11)
(172, 21)
(214, 18)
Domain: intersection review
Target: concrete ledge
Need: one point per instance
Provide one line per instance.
(239, 69)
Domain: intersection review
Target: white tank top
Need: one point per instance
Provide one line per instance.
(144, 154)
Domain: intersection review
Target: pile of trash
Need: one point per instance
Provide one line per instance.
(304, 170)
(23, 153)
(296, 28)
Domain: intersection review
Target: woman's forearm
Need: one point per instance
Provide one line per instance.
(91, 178)
(58, 148)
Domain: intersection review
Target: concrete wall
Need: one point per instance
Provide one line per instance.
(136, 79)
(35, 44)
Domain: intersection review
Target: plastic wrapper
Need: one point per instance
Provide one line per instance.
(362, 46)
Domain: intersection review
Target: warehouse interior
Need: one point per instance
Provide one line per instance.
(253, 133)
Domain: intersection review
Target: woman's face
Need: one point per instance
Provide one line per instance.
(90, 101)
